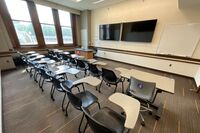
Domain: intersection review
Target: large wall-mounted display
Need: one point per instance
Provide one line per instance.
(109, 32)
(139, 31)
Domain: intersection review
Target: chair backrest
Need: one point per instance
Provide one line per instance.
(109, 75)
(72, 60)
(93, 68)
(75, 101)
(65, 57)
(80, 63)
(141, 89)
(55, 82)
(96, 126)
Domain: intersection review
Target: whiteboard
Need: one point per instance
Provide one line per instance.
(179, 39)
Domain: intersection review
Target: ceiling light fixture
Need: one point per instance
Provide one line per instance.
(99, 1)
(77, 0)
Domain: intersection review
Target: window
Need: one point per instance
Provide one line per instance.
(20, 16)
(65, 22)
(47, 23)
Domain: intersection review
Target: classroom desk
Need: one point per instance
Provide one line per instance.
(130, 105)
(66, 53)
(163, 83)
(48, 62)
(62, 67)
(93, 81)
(91, 60)
(72, 71)
(30, 52)
(37, 57)
(33, 55)
(99, 63)
(77, 56)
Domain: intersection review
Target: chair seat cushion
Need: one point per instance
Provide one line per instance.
(87, 98)
(110, 119)
(113, 82)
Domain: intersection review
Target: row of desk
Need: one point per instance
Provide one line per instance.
(130, 105)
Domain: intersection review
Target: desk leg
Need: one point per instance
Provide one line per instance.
(123, 79)
(83, 87)
(100, 86)
(158, 110)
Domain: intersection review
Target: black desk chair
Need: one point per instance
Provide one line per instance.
(104, 121)
(84, 98)
(110, 78)
(94, 71)
(56, 86)
(44, 76)
(82, 66)
(72, 61)
(145, 92)
(65, 59)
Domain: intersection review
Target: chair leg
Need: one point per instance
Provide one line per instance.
(122, 86)
(40, 80)
(85, 73)
(100, 86)
(66, 114)
(85, 127)
(79, 128)
(115, 88)
(142, 123)
(36, 77)
(63, 102)
(42, 85)
(99, 105)
(83, 87)
(31, 72)
(78, 89)
(52, 92)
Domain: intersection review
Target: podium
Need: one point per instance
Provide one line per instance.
(87, 53)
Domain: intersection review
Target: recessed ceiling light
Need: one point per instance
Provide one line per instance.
(77, 0)
(99, 1)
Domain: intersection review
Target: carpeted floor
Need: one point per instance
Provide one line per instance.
(27, 110)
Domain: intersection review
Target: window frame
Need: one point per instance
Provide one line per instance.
(67, 44)
(37, 28)
(48, 44)
(19, 45)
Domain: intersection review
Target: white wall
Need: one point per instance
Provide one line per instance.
(197, 78)
(6, 62)
(177, 67)
(5, 43)
(166, 11)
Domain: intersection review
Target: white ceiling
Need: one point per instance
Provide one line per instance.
(85, 4)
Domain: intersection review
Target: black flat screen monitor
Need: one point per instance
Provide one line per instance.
(109, 32)
(140, 31)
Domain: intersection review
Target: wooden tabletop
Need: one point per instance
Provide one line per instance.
(163, 83)
(130, 106)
